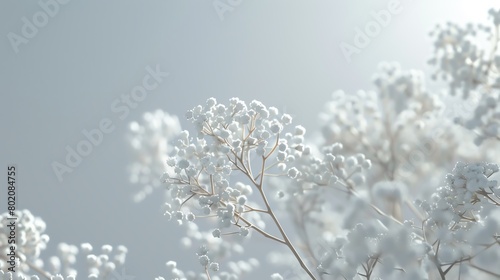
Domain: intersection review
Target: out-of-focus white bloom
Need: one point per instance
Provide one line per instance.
(214, 266)
(151, 141)
(204, 260)
(31, 239)
(276, 276)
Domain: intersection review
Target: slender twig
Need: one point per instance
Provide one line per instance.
(485, 270)
(207, 273)
(280, 228)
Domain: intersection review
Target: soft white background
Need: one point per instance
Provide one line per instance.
(283, 53)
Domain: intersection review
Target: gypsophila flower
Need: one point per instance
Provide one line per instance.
(244, 231)
(216, 233)
(276, 276)
(106, 249)
(214, 266)
(365, 200)
(150, 141)
(179, 215)
(31, 237)
(190, 217)
(204, 260)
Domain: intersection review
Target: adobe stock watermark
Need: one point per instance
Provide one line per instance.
(363, 37)
(121, 107)
(31, 26)
(223, 6)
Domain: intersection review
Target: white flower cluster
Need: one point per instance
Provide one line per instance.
(229, 138)
(151, 143)
(461, 228)
(101, 266)
(31, 240)
(485, 120)
(64, 264)
(253, 140)
(374, 250)
(334, 167)
(398, 126)
(214, 246)
(463, 217)
(468, 185)
(310, 197)
(459, 57)
(312, 178)
(463, 58)
(473, 66)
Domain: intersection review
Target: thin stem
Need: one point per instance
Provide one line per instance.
(299, 220)
(208, 274)
(39, 270)
(436, 262)
(280, 228)
(259, 230)
(485, 271)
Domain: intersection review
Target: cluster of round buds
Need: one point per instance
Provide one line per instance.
(461, 57)
(374, 249)
(469, 195)
(332, 169)
(99, 266)
(226, 204)
(151, 143)
(204, 259)
(239, 129)
(31, 239)
(485, 120)
(311, 194)
(349, 116)
(212, 241)
(404, 88)
(66, 260)
(252, 140)
(229, 137)
(399, 126)
(464, 215)
(103, 265)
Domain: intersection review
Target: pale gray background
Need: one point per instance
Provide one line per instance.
(284, 53)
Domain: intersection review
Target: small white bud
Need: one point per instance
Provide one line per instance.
(286, 119)
(190, 217)
(171, 265)
(204, 260)
(216, 233)
(293, 172)
(242, 200)
(300, 130)
(214, 266)
(244, 231)
(106, 249)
